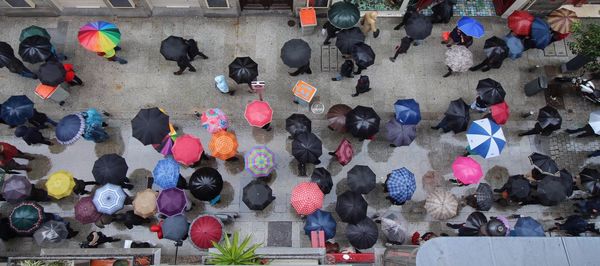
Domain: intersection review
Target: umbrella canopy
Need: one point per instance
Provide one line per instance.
(418, 27)
(205, 230)
(490, 91)
(206, 184)
(60, 184)
(457, 115)
(166, 173)
(362, 122)
(550, 191)
(16, 110)
(401, 185)
(515, 46)
(441, 204)
(466, 170)
(150, 126)
(361, 179)
(109, 199)
(495, 227)
(518, 187)
(594, 121)
(257, 195)
(51, 232)
(344, 152)
(500, 113)
(459, 58)
(543, 163)
(561, 20)
(258, 113)
(99, 36)
(393, 226)
(26, 217)
(187, 149)
(496, 50)
(70, 129)
(590, 180)
(472, 226)
(110, 168)
(323, 179)
(306, 198)
(174, 48)
(35, 49)
(527, 226)
(399, 134)
(336, 116)
(52, 73)
(343, 15)
(549, 118)
(33, 31)
(260, 161)
(320, 221)
(520, 21)
(295, 53)
(297, 123)
(484, 197)
(347, 38)
(144, 204)
(363, 234)
(485, 138)
(363, 55)
(541, 34)
(85, 211)
(7, 54)
(351, 207)
(307, 148)
(171, 201)
(223, 145)
(214, 120)
(175, 227)
(165, 146)
(471, 27)
(243, 70)
(16, 188)
(407, 111)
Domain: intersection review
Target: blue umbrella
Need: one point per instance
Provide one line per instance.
(320, 220)
(401, 185)
(16, 110)
(175, 227)
(527, 226)
(471, 27)
(70, 128)
(407, 111)
(166, 173)
(541, 34)
(109, 199)
(515, 46)
(485, 138)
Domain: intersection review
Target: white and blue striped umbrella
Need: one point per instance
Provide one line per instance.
(485, 138)
(109, 199)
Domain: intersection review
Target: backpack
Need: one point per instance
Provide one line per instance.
(363, 84)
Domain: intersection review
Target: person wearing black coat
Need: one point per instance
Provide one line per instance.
(40, 119)
(95, 239)
(575, 225)
(402, 48)
(184, 63)
(345, 70)
(31, 135)
(130, 219)
(80, 185)
(331, 32)
(38, 195)
(193, 50)
(587, 130)
(537, 129)
(305, 69)
(442, 12)
(410, 11)
(16, 66)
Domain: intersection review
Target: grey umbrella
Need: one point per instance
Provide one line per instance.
(295, 53)
(51, 232)
(399, 134)
(484, 197)
(393, 226)
(175, 227)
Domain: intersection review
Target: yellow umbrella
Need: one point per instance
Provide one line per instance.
(144, 203)
(60, 184)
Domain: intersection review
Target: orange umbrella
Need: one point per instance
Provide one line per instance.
(560, 20)
(223, 145)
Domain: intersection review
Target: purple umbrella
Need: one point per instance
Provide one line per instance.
(16, 188)
(399, 134)
(171, 201)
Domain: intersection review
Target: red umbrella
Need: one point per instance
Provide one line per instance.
(306, 198)
(520, 22)
(85, 211)
(258, 113)
(204, 230)
(187, 149)
(500, 113)
(344, 152)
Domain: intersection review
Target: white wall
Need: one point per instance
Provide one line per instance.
(80, 3)
(164, 3)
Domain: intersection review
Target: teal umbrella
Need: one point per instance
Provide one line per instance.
(343, 15)
(34, 31)
(26, 217)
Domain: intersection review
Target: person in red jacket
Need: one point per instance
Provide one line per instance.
(8, 153)
(70, 77)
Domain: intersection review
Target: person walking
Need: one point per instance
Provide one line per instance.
(183, 63)
(32, 135)
(402, 48)
(345, 70)
(16, 66)
(575, 225)
(443, 124)
(38, 195)
(40, 119)
(71, 78)
(193, 50)
(411, 10)
(459, 38)
(130, 219)
(369, 23)
(8, 153)
(97, 238)
(331, 32)
(362, 85)
(80, 185)
(537, 129)
(305, 69)
(94, 126)
(479, 105)
(111, 55)
(587, 131)
(442, 12)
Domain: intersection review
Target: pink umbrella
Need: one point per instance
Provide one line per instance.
(344, 152)
(467, 170)
(214, 120)
(258, 113)
(187, 149)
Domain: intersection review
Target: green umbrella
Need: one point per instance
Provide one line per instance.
(26, 217)
(343, 15)
(34, 31)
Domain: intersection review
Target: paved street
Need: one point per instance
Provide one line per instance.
(148, 81)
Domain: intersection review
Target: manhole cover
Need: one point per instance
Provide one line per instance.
(317, 108)
(280, 234)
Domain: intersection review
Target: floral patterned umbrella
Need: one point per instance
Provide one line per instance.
(459, 58)
(214, 120)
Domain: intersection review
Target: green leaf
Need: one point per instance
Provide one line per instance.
(234, 253)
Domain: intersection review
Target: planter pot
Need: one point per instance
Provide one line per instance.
(576, 63)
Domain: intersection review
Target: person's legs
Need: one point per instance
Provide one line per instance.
(327, 42)
(192, 68)
(180, 71)
(477, 67)
(586, 134)
(27, 73)
(399, 26)
(393, 59)
(23, 155)
(76, 81)
(533, 131)
(572, 131)
(13, 165)
(448, 74)
(202, 55)
(118, 59)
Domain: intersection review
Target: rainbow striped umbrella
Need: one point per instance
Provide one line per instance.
(99, 36)
(260, 161)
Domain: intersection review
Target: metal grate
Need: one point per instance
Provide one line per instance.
(330, 58)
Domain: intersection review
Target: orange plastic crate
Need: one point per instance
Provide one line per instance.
(308, 16)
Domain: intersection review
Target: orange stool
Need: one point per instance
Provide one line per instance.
(56, 94)
(304, 91)
(308, 20)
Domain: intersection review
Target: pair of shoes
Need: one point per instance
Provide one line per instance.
(447, 75)
(294, 74)
(354, 95)
(192, 70)
(177, 73)
(334, 79)
(448, 45)
(435, 128)
(326, 43)
(61, 103)
(296, 102)
(309, 72)
(376, 33)
(105, 113)
(357, 72)
(205, 57)
(392, 59)
(122, 61)
(398, 27)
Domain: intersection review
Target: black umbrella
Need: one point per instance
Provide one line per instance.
(361, 179)
(110, 168)
(363, 234)
(495, 227)
(443, 9)
(6, 54)
(206, 184)
(490, 91)
(257, 195)
(457, 115)
(549, 118)
(295, 53)
(363, 55)
(351, 207)
(543, 163)
(243, 70)
(550, 191)
(484, 197)
(150, 126)
(35, 49)
(362, 122)
(173, 48)
(518, 187)
(495, 48)
(346, 39)
(52, 73)
(307, 148)
(323, 178)
(418, 27)
(399, 134)
(590, 180)
(474, 222)
(297, 123)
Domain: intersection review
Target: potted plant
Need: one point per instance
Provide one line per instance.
(234, 253)
(585, 45)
